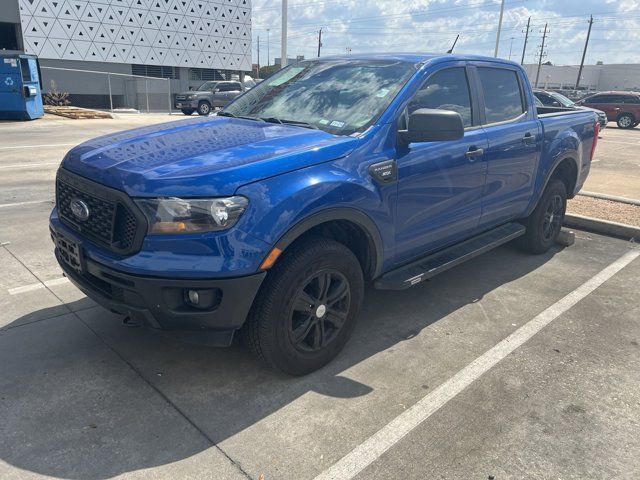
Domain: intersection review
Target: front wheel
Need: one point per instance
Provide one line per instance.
(306, 308)
(626, 120)
(545, 222)
(204, 108)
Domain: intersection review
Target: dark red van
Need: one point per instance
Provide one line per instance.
(623, 107)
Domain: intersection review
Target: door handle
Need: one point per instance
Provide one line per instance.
(529, 139)
(474, 152)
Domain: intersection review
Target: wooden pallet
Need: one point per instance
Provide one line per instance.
(76, 113)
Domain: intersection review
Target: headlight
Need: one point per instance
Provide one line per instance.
(184, 215)
(190, 97)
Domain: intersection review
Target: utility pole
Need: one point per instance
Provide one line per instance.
(454, 44)
(511, 47)
(495, 54)
(526, 37)
(283, 42)
(584, 53)
(268, 49)
(319, 42)
(347, 49)
(544, 37)
(258, 72)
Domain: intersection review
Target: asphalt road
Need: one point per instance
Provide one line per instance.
(511, 365)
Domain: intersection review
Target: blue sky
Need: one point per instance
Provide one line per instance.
(432, 25)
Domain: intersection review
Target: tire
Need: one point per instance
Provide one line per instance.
(188, 111)
(204, 108)
(545, 222)
(626, 120)
(295, 325)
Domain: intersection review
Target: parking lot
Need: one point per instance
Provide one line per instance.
(509, 366)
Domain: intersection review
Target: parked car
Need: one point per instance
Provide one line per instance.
(207, 96)
(268, 218)
(556, 99)
(621, 107)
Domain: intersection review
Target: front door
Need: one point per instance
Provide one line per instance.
(440, 184)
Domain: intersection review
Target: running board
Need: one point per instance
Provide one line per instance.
(431, 265)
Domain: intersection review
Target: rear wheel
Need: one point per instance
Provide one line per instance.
(307, 307)
(626, 120)
(187, 111)
(204, 108)
(545, 222)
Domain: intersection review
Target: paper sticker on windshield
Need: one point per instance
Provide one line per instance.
(285, 77)
(383, 92)
(323, 121)
(337, 124)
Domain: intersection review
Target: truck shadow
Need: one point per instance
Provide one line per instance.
(73, 405)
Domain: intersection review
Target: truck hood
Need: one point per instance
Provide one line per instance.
(208, 156)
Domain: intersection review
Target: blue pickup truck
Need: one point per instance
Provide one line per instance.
(268, 218)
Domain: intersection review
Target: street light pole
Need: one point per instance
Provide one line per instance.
(495, 53)
(268, 48)
(283, 42)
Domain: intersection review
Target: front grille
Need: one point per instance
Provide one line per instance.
(181, 97)
(112, 222)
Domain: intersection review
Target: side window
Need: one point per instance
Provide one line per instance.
(502, 97)
(631, 99)
(595, 99)
(544, 98)
(236, 87)
(445, 90)
(223, 87)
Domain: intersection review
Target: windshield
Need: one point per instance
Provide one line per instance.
(207, 87)
(337, 96)
(564, 101)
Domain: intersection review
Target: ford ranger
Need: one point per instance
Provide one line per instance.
(268, 218)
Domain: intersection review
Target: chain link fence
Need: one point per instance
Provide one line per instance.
(108, 91)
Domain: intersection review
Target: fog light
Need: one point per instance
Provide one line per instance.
(194, 297)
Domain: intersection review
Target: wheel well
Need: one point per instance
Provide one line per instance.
(351, 235)
(567, 171)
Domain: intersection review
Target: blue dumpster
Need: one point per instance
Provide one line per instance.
(20, 92)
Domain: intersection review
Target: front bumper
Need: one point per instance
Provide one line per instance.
(162, 303)
(184, 104)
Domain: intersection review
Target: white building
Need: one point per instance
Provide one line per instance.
(593, 78)
(186, 41)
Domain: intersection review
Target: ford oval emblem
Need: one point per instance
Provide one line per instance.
(79, 209)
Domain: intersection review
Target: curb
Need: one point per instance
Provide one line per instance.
(604, 227)
(613, 198)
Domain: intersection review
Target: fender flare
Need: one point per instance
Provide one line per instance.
(569, 154)
(339, 213)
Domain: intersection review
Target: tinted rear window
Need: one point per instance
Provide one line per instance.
(502, 97)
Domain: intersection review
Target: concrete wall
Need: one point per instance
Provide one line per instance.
(9, 11)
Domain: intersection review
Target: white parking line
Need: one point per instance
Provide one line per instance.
(28, 165)
(39, 146)
(376, 445)
(38, 286)
(32, 202)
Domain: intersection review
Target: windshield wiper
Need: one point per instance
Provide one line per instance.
(223, 113)
(289, 122)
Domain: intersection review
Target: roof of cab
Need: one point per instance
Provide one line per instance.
(417, 57)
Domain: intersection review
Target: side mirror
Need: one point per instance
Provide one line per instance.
(556, 103)
(432, 125)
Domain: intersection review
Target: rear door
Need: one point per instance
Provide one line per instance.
(515, 140)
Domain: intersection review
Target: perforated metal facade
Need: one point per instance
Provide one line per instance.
(187, 33)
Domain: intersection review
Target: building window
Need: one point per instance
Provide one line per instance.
(206, 74)
(158, 71)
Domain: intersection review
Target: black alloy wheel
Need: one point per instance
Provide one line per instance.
(320, 310)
